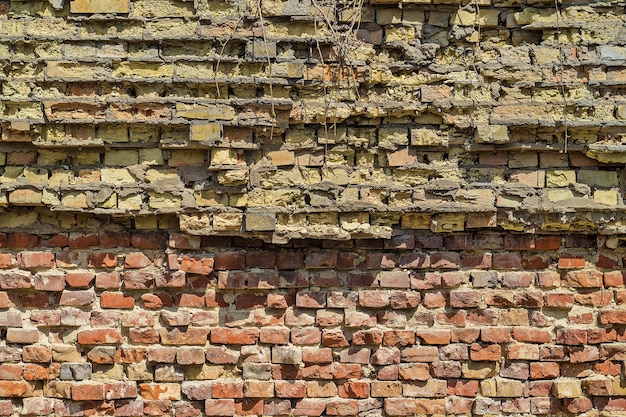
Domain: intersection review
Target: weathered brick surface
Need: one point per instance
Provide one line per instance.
(312, 208)
(449, 347)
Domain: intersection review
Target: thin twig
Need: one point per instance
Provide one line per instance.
(561, 74)
(269, 63)
(219, 58)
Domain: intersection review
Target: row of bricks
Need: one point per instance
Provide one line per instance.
(304, 300)
(318, 259)
(392, 407)
(236, 389)
(405, 241)
(522, 343)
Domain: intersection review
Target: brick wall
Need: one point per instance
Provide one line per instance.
(312, 207)
(146, 323)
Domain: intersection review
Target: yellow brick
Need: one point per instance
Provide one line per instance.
(150, 157)
(162, 8)
(25, 197)
(130, 202)
(205, 111)
(210, 198)
(99, 6)
(163, 200)
(209, 132)
(170, 29)
(117, 176)
(121, 158)
(57, 28)
(143, 70)
(227, 221)
(72, 70)
(74, 199)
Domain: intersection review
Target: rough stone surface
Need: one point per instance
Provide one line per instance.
(312, 208)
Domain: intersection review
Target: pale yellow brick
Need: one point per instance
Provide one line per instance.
(76, 71)
(206, 132)
(607, 197)
(25, 197)
(560, 178)
(117, 176)
(280, 158)
(74, 199)
(227, 221)
(99, 6)
(130, 202)
(121, 158)
(205, 111)
(210, 198)
(150, 157)
(163, 200)
(143, 70)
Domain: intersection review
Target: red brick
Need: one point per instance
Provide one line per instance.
(49, 281)
(136, 260)
(183, 241)
(219, 407)
(306, 336)
(506, 260)
(100, 337)
(584, 279)
(548, 279)
(290, 389)
(607, 262)
(354, 389)
(77, 298)
(560, 300)
(445, 260)
(380, 261)
(82, 241)
(184, 336)
(463, 387)
(197, 265)
(228, 336)
(13, 389)
(309, 407)
(614, 279)
(88, 392)
(15, 280)
(139, 280)
(108, 280)
(547, 243)
(58, 240)
(108, 239)
(485, 352)
(249, 407)
(612, 317)
(465, 298)
(35, 260)
(227, 389)
(290, 260)
(571, 262)
(544, 370)
(6, 261)
(574, 337)
(260, 259)
(531, 335)
(22, 240)
(434, 337)
(79, 279)
(148, 240)
(321, 259)
(225, 261)
(495, 334)
(102, 260)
